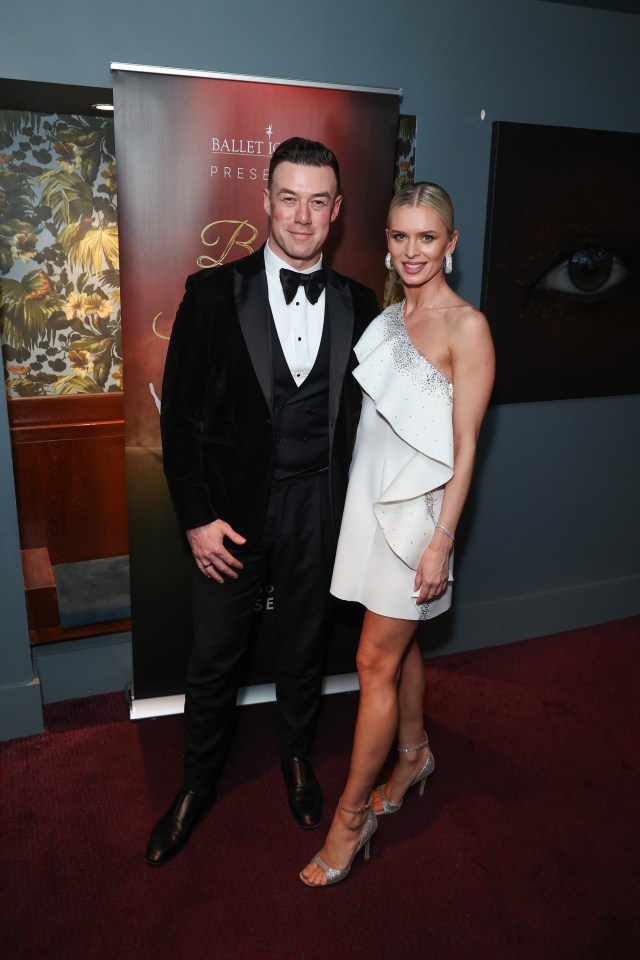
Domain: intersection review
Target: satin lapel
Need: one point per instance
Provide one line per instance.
(252, 303)
(339, 312)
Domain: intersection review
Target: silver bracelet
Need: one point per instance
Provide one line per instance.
(444, 530)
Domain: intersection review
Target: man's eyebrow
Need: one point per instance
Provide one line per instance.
(294, 193)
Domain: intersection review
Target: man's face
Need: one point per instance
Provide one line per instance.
(301, 205)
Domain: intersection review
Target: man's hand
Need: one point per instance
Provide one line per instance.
(210, 553)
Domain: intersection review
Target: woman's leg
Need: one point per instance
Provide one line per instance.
(380, 656)
(411, 697)
(382, 646)
(410, 727)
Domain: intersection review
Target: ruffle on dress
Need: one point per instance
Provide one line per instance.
(415, 399)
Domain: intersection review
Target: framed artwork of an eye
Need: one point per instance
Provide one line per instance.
(561, 282)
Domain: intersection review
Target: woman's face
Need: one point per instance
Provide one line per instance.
(418, 240)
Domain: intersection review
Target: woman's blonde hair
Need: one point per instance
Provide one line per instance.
(425, 194)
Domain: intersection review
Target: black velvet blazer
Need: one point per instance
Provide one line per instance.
(217, 392)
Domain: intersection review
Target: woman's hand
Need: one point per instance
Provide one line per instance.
(432, 574)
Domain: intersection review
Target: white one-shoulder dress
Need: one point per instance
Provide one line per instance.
(403, 456)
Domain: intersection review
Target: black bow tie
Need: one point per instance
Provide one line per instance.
(313, 283)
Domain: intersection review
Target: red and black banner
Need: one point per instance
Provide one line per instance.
(193, 154)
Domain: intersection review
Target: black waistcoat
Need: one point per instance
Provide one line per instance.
(300, 414)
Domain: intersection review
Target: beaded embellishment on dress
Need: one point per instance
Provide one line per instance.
(408, 359)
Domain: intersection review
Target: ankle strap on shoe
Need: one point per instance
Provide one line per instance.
(425, 743)
(360, 811)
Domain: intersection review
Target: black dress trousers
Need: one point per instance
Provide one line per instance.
(298, 546)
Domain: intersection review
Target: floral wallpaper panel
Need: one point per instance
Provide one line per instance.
(404, 174)
(59, 280)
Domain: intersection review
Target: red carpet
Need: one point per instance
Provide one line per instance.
(524, 846)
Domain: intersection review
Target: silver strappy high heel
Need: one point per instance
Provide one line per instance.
(388, 806)
(336, 874)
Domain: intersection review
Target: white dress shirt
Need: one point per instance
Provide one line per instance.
(299, 323)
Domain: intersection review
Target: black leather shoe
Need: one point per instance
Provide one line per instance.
(172, 830)
(303, 791)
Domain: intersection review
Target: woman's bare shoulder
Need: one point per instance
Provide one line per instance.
(464, 318)
(469, 331)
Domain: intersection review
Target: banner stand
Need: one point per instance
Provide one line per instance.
(149, 707)
(193, 150)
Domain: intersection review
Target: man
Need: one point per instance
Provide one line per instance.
(258, 405)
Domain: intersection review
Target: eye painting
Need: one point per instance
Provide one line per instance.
(589, 271)
(561, 283)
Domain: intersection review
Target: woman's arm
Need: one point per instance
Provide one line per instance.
(473, 366)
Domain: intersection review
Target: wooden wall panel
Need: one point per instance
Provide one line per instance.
(69, 469)
(42, 605)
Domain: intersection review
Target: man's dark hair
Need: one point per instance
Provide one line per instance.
(309, 153)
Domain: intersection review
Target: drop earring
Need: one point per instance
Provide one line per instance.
(448, 263)
(387, 261)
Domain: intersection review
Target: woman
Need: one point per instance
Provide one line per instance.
(426, 369)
